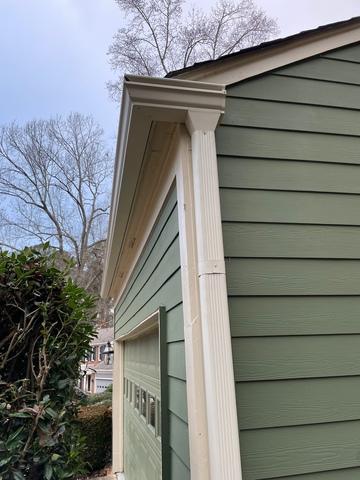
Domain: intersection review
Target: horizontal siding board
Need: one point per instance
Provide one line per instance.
(298, 90)
(275, 358)
(289, 207)
(290, 241)
(279, 144)
(176, 360)
(177, 398)
(297, 402)
(277, 452)
(168, 295)
(165, 239)
(270, 316)
(347, 474)
(351, 54)
(288, 157)
(254, 173)
(175, 324)
(287, 116)
(168, 208)
(178, 434)
(292, 277)
(325, 69)
(167, 266)
(178, 470)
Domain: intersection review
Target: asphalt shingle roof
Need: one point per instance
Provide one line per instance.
(267, 45)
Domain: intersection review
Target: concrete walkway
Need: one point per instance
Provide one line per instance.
(118, 476)
(107, 477)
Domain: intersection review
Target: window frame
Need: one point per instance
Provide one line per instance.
(143, 408)
(152, 427)
(137, 399)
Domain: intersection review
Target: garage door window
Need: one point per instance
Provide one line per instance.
(147, 405)
(131, 391)
(143, 404)
(137, 397)
(151, 412)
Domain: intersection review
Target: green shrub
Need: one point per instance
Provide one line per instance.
(94, 423)
(45, 332)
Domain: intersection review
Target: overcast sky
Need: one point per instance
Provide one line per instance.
(53, 52)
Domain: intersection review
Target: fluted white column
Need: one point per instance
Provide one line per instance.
(223, 436)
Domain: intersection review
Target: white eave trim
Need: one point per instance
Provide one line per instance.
(146, 100)
(243, 66)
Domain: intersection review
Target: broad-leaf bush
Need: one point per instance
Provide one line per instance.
(45, 331)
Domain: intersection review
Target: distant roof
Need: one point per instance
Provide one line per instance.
(103, 366)
(104, 335)
(267, 45)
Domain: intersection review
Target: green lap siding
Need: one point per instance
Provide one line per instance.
(155, 282)
(347, 474)
(289, 173)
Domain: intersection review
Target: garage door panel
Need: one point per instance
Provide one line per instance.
(142, 446)
(142, 454)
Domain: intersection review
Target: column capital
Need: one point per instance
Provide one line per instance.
(202, 120)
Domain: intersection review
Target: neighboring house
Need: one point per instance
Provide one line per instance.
(234, 259)
(97, 369)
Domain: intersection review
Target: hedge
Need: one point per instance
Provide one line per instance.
(95, 425)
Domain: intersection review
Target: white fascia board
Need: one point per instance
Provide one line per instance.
(146, 100)
(244, 66)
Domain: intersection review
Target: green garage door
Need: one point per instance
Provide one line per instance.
(142, 442)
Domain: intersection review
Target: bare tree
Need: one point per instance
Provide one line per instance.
(54, 186)
(161, 36)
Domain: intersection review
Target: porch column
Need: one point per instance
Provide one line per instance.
(224, 447)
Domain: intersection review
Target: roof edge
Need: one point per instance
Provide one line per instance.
(273, 54)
